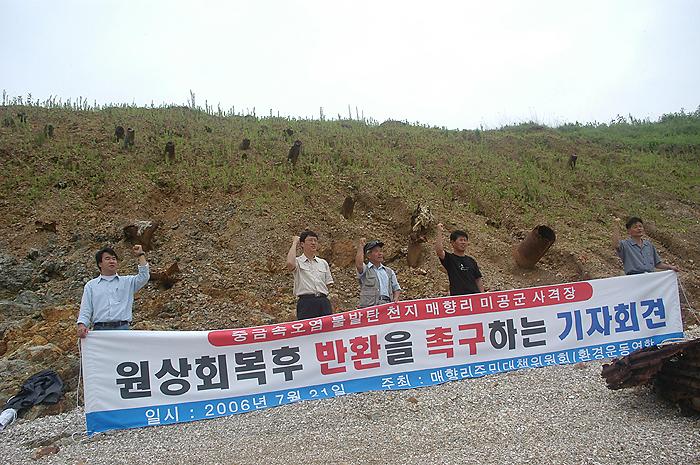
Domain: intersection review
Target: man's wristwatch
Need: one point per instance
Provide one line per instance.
(141, 254)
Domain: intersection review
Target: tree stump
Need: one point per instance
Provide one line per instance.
(348, 207)
(170, 150)
(129, 138)
(119, 133)
(421, 222)
(294, 151)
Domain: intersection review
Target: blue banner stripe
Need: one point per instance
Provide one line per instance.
(191, 411)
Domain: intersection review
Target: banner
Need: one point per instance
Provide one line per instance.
(140, 378)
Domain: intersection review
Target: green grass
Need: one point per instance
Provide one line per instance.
(626, 166)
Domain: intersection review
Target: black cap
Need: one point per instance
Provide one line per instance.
(372, 244)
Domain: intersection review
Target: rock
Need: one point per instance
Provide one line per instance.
(38, 340)
(59, 314)
(48, 226)
(44, 451)
(41, 410)
(32, 254)
(15, 276)
(47, 353)
(50, 269)
(13, 311)
(30, 298)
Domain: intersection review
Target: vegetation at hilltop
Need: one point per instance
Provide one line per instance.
(628, 165)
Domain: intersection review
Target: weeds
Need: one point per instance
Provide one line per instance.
(626, 165)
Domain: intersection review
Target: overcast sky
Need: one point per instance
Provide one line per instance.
(457, 64)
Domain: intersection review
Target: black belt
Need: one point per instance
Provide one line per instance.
(308, 296)
(385, 297)
(110, 324)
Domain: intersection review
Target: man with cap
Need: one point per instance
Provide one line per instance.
(378, 284)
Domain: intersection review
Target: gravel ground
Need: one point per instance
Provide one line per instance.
(558, 414)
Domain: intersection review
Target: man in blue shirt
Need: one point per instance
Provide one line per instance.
(638, 254)
(378, 284)
(108, 299)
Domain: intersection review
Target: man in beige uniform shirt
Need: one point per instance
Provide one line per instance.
(312, 275)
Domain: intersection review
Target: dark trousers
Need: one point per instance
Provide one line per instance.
(310, 306)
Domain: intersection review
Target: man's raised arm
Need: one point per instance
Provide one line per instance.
(292, 254)
(439, 248)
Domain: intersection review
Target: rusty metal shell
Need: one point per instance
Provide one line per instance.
(535, 245)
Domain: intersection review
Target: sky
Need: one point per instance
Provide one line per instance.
(460, 64)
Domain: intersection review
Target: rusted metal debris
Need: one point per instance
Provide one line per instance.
(674, 369)
(535, 245)
(166, 277)
(141, 232)
(347, 208)
(422, 221)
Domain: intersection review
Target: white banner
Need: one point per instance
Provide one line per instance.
(140, 378)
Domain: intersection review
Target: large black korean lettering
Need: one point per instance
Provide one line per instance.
(176, 386)
(286, 358)
(209, 368)
(136, 380)
(502, 333)
(530, 328)
(250, 365)
(399, 348)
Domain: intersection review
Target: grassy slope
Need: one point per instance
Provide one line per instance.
(496, 184)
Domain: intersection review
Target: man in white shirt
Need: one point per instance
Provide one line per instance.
(108, 299)
(312, 275)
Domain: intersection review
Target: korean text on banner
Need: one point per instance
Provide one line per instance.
(140, 378)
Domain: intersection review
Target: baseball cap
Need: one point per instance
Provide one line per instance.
(372, 244)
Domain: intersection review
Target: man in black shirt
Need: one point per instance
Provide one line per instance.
(462, 270)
